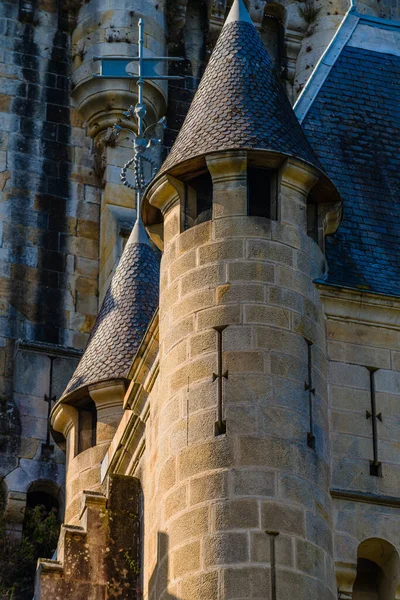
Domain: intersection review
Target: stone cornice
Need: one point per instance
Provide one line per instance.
(357, 306)
(366, 498)
(49, 349)
(128, 443)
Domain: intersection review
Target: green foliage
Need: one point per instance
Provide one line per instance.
(132, 564)
(18, 559)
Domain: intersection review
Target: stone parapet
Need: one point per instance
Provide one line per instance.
(83, 467)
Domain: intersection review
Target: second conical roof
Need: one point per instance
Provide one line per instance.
(128, 307)
(240, 102)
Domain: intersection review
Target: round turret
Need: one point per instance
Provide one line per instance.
(88, 412)
(240, 431)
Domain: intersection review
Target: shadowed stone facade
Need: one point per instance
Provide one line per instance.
(289, 487)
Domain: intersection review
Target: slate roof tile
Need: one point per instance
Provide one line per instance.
(127, 309)
(240, 104)
(354, 127)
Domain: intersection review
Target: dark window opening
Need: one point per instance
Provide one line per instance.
(261, 193)
(40, 498)
(312, 221)
(369, 580)
(3, 499)
(87, 422)
(198, 200)
(124, 236)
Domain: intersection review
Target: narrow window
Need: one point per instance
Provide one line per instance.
(261, 193)
(87, 426)
(124, 234)
(273, 36)
(312, 221)
(198, 200)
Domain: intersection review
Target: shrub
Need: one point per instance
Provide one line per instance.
(18, 558)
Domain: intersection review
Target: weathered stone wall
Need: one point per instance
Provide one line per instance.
(99, 559)
(213, 497)
(49, 239)
(363, 336)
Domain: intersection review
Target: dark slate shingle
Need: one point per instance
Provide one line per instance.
(127, 309)
(354, 127)
(240, 104)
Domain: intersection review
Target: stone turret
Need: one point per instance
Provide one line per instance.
(110, 29)
(241, 487)
(91, 407)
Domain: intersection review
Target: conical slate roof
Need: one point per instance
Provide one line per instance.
(127, 309)
(240, 102)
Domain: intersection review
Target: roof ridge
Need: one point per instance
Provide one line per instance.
(325, 64)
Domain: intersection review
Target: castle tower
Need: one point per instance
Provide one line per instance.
(91, 407)
(238, 438)
(110, 29)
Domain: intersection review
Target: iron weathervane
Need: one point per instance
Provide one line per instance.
(115, 67)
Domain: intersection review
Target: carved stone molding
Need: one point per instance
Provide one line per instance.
(345, 577)
(256, 10)
(293, 40)
(216, 18)
(176, 17)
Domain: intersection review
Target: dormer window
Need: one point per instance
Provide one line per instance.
(261, 193)
(198, 200)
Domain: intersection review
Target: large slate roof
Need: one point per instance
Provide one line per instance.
(127, 309)
(240, 102)
(354, 127)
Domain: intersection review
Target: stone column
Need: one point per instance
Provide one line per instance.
(221, 497)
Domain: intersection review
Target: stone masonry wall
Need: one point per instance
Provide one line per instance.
(363, 335)
(49, 237)
(212, 498)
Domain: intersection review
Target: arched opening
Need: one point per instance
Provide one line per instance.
(41, 527)
(377, 571)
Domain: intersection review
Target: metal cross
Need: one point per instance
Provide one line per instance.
(375, 465)
(308, 386)
(272, 545)
(49, 399)
(220, 425)
(115, 67)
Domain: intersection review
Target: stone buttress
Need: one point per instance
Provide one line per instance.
(239, 480)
